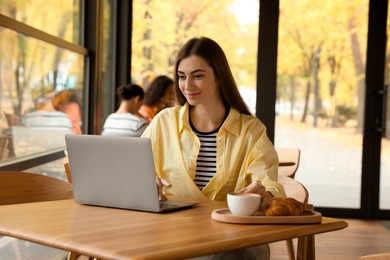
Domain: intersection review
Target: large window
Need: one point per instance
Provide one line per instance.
(320, 104)
(57, 75)
(41, 77)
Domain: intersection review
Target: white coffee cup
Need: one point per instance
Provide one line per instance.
(243, 204)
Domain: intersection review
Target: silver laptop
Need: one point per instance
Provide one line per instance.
(114, 171)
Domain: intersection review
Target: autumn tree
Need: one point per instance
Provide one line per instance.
(324, 54)
(28, 56)
(171, 23)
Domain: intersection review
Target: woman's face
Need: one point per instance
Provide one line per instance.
(197, 81)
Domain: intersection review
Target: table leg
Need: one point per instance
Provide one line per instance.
(306, 248)
(290, 249)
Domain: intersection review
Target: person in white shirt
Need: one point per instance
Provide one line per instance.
(126, 121)
(45, 116)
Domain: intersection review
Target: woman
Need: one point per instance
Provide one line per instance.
(211, 145)
(158, 96)
(126, 121)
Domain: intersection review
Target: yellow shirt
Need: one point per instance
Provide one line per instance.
(244, 154)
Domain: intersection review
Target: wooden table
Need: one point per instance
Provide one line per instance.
(123, 234)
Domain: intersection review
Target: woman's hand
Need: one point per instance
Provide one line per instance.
(160, 184)
(257, 187)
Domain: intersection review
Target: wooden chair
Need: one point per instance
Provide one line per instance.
(24, 187)
(288, 161)
(3, 148)
(67, 171)
(294, 189)
(297, 190)
(12, 119)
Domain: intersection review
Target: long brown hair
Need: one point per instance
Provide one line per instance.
(213, 54)
(157, 89)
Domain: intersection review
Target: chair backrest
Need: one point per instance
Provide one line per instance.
(288, 161)
(12, 119)
(294, 189)
(3, 148)
(25, 187)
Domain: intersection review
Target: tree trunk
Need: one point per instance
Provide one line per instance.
(292, 97)
(307, 72)
(59, 53)
(147, 49)
(332, 90)
(359, 73)
(316, 85)
(307, 95)
(20, 74)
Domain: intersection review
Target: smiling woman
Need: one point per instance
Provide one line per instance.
(210, 145)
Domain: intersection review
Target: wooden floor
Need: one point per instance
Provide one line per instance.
(360, 238)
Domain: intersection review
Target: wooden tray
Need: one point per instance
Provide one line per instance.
(308, 217)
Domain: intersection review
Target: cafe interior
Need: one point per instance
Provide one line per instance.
(316, 73)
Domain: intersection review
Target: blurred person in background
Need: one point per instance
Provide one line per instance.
(67, 101)
(159, 95)
(126, 121)
(45, 115)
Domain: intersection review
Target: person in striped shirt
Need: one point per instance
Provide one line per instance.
(126, 121)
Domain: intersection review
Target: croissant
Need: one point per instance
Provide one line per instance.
(284, 207)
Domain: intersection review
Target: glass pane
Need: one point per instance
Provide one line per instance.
(384, 194)
(40, 90)
(53, 169)
(160, 28)
(59, 18)
(320, 95)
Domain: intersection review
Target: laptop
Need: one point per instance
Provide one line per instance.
(116, 171)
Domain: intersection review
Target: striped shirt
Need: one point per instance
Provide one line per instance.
(125, 124)
(48, 119)
(206, 164)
